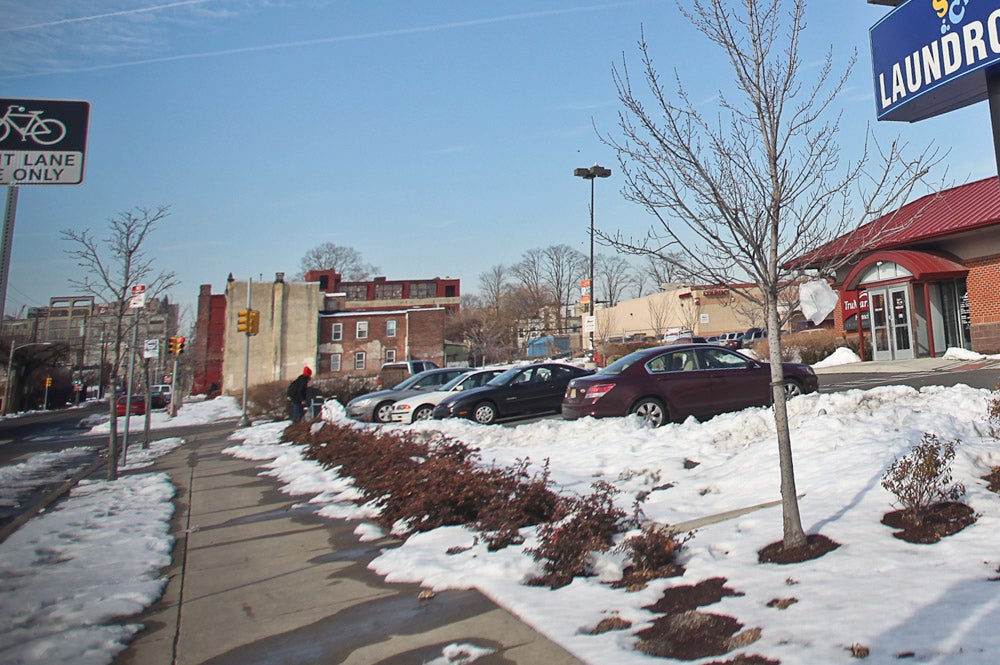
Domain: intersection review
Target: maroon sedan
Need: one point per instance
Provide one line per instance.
(670, 383)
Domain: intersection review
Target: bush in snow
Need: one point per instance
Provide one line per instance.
(587, 524)
(422, 481)
(993, 413)
(922, 478)
(653, 553)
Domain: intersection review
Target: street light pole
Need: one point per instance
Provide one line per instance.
(595, 171)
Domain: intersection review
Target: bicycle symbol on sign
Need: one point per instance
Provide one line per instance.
(48, 131)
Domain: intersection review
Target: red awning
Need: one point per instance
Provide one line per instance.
(923, 266)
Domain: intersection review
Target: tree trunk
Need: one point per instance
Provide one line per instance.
(794, 535)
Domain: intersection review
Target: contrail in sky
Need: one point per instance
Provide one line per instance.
(96, 17)
(326, 40)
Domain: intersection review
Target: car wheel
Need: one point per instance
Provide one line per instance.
(424, 412)
(651, 410)
(485, 413)
(792, 388)
(382, 413)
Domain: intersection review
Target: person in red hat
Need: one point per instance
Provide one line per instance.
(297, 394)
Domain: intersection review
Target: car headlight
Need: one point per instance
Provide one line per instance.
(360, 402)
(400, 407)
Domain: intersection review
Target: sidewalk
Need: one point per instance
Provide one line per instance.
(895, 366)
(256, 580)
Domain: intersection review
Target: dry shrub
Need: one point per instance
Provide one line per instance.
(808, 346)
(993, 413)
(268, 400)
(654, 551)
(922, 478)
(587, 524)
(427, 480)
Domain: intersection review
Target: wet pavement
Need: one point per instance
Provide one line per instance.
(258, 579)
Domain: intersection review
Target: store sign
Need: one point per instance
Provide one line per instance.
(931, 56)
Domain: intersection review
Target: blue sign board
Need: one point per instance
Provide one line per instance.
(933, 56)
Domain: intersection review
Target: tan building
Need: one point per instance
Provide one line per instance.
(289, 317)
(704, 310)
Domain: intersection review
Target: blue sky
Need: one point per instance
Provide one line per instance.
(438, 138)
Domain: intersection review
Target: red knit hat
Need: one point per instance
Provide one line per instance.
(306, 371)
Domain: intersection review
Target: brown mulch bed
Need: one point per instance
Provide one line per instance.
(942, 519)
(993, 480)
(816, 546)
(687, 634)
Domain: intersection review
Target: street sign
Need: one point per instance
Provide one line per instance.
(151, 349)
(932, 56)
(589, 324)
(42, 141)
(138, 298)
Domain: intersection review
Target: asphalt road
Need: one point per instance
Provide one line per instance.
(985, 377)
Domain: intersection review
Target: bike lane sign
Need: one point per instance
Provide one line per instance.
(42, 141)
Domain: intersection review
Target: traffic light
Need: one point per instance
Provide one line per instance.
(48, 382)
(176, 346)
(253, 322)
(243, 321)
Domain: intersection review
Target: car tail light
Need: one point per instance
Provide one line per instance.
(595, 393)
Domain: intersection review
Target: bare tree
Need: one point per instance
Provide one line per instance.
(493, 284)
(345, 260)
(659, 315)
(742, 193)
(614, 276)
(562, 268)
(111, 267)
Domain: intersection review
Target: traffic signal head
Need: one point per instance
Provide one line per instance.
(180, 345)
(243, 321)
(48, 382)
(253, 323)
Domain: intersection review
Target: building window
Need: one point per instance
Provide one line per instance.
(337, 332)
(390, 328)
(359, 360)
(423, 289)
(390, 355)
(334, 362)
(387, 291)
(362, 330)
(356, 291)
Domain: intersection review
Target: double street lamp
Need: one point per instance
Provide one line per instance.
(592, 173)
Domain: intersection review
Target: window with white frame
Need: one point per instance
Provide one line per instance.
(390, 355)
(390, 328)
(362, 330)
(359, 360)
(337, 332)
(334, 362)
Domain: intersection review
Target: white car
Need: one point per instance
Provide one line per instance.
(420, 407)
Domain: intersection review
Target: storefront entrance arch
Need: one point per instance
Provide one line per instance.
(904, 299)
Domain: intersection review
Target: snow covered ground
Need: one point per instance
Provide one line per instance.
(938, 602)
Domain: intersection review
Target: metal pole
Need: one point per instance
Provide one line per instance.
(128, 389)
(6, 387)
(174, 390)
(149, 409)
(593, 291)
(245, 421)
(6, 243)
(45, 401)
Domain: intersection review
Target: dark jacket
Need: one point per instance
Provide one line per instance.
(297, 389)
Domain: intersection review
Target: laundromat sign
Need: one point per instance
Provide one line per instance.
(931, 56)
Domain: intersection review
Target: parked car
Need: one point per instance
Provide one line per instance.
(159, 396)
(670, 383)
(731, 340)
(519, 391)
(421, 407)
(138, 406)
(376, 407)
(392, 373)
(751, 337)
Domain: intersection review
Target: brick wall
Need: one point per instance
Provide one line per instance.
(983, 283)
(419, 336)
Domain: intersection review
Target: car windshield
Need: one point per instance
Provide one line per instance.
(623, 363)
(506, 377)
(407, 382)
(461, 378)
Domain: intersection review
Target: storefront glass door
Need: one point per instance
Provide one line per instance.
(892, 336)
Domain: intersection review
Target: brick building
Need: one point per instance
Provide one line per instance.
(358, 342)
(928, 278)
